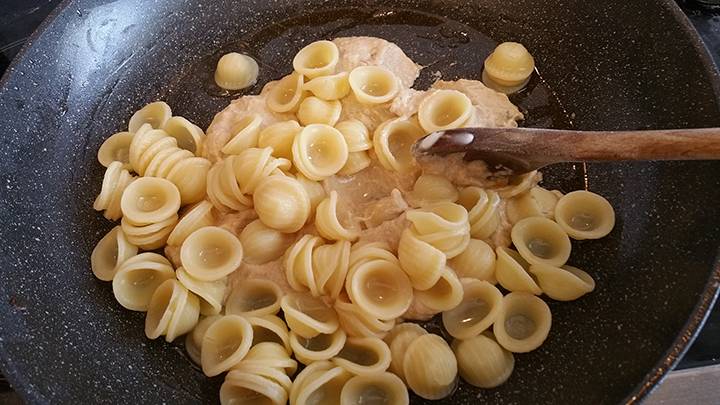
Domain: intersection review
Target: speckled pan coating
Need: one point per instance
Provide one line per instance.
(613, 64)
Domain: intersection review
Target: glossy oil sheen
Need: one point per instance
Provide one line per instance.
(609, 65)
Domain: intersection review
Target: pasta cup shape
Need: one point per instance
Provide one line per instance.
(373, 84)
(137, 279)
(279, 137)
(184, 318)
(211, 253)
(299, 266)
(320, 347)
(319, 151)
(434, 382)
(476, 261)
(308, 316)
(356, 322)
(383, 387)
(327, 221)
(172, 311)
(254, 297)
(399, 340)
(236, 71)
(225, 344)
(197, 216)
(223, 189)
(156, 114)
(193, 340)
(446, 294)
(211, 293)
(273, 374)
(314, 190)
(149, 237)
(538, 202)
(189, 136)
(115, 180)
(332, 87)
(422, 262)
(356, 135)
(320, 387)
(541, 241)
(361, 253)
(483, 211)
(585, 215)
(317, 59)
(564, 283)
(330, 266)
(149, 200)
(286, 94)
(392, 143)
(270, 329)
(364, 356)
(145, 145)
(443, 225)
(246, 132)
(262, 244)
(476, 312)
(314, 110)
(509, 65)
(270, 355)
(282, 203)
(380, 288)
(110, 253)
(247, 388)
(523, 323)
(255, 164)
(482, 362)
(511, 271)
(356, 162)
(190, 177)
(430, 188)
(445, 109)
(116, 149)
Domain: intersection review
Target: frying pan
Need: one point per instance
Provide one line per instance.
(603, 65)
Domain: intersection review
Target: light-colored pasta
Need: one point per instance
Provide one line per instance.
(564, 283)
(356, 162)
(508, 68)
(245, 388)
(197, 216)
(317, 59)
(223, 189)
(189, 136)
(476, 261)
(308, 316)
(236, 71)
(320, 347)
(270, 329)
(434, 382)
(330, 265)
(156, 114)
(483, 213)
(225, 344)
(110, 253)
(271, 355)
(361, 253)
(116, 149)
(193, 340)
(356, 135)
(482, 362)
(398, 340)
(263, 375)
(364, 356)
(518, 184)
(262, 244)
(137, 278)
(585, 215)
(151, 236)
(319, 383)
(422, 262)
(172, 311)
(314, 190)
(245, 134)
(523, 323)
(373, 84)
(541, 241)
(356, 322)
(282, 203)
(254, 297)
(254, 164)
(279, 137)
(149, 206)
(298, 264)
(511, 271)
(430, 188)
(115, 181)
(392, 143)
(211, 253)
(444, 225)
(210, 293)
(446, 294)
(445, 109)
(285, 96)
(332, 87)
(314, 110)
(319, 151)
(538, 202)
(328, 224)
(381, 388)
(380, 288)
(476, 312)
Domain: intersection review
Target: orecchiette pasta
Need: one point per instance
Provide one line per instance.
(317, 59)
(356, 135)
(245, 134)
(211, 253)
(444, 225)
(236, 71)
(225, 344)
(434, 382)
(172, 311)
(399, 339)
(242, 387)
(383, 388)
(116, 149)
(445, 109)
(211, 293)
(585, 215)
(364, 252)
(564, 283)
(446, 294)
(298, 264)
(430, 188)
(537, 202)
(327, 221)
(356, 322)
(476, 312)
(511, 271)
(523, 323)
(422, 262)
(282, 203)
(373, 84)
(482, 362)
(279, 137)
(320, 347)
(223, 189)
(541, 241)
(286, 94)
(149, 206)
(483, 214)
(332, 87)
(476, 261)
(193, 340)
(356, 162)
(319, 383)
(319, 151)
(308, 316)
(314, 110)
(364, 356)
(271, 355)
(270, 329)
(137, 278)
(188, 135)
(330, 265)
(114, 183)
(254, 164)
(156, 114)
(508, 68)
(262, 244)
(314, 190)
(392, 143)
(110, 253)
(380, 288)
(196, 217)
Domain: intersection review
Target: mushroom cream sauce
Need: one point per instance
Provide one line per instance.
(374, 199)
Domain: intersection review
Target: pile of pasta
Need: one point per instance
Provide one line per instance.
(342, 316)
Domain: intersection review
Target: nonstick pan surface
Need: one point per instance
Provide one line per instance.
(603, 65)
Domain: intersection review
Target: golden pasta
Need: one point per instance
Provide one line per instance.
(242, 387)
(223, 189)
(193, 340)
(270, 329)
(319, 151)
(445, 109)
(172, 311)
(400, 337)
(254, 164)
(298, 264)
(541, 241)
(383, 388)
(434, 382)
(478, 309)
(188, 135)
(511, 271)
(270, 355)
(262, 244)
(446, 294)
(363, 356)
(115, 181)
(149, 206)
(430, 188)
(211, 253)
(317, 348)
(314, 110)
(538, 202)
(210, 293)
(319, 383)
(317, 59)
(328, 224)
(314, 190)
(585, 215)
(356, 135)
(373, 84)
(422, 262)
(308, 316)
(523, 323)
(116, 149)
(236, 71)
(197, 216)
(330, 265)
(443, 225)
(358, 323)
(356, 162)
(508, 68)
(279, 137)
(482, 362)
(282, 203)
(483, 213)
(110, 253)
(286, 94)
(332, 87)
(245, 134)
(380, 288)
(225, 344)
(155, 114)
(564, 283)
(137, 278)
(392, 143)
(476, 261)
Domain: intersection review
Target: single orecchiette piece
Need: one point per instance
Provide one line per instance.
(483, 214)
(223, 189)
(110, 253)
(385, 388)
(358, 140)
(114, 183)
(270, 329)
(328, 224)
(236, 71)
(116, 149)
(317, 59)
(482, 362)
(446, 294)
(319, 383)
(279, 137)
(254, 297)
(193, 340)
(320, 347)
(400, 337)
(541, 241)
(380, 288)
(211, 293)
(138, 277)
(585, 215)
(149, 206)
(363, 356)
(172, 311)
(333, 87)
(421, 261)
(364, 252)
(156, 114)
(444, 225)
(373, 84)
(254, 164)
(271, 355)
(508, 68)
(319, 151)
(262, 244)
(197, 216)
(564, 283)
(434, 382)
(313, 110)
(430, 188)
(392, 143)
(517, 185)
(308, 316)
(476, 261)
(511, 271)
(298, 264)
(356, 162)
(286, 94)
(356, 322)
(445, 109)
(314, 190)
(282, 203)
(523, 323)
(211, 253)
(225, 344)
(189, 136)
(245, 134)
(538, 202)
(476, 312)
(330, 265)
(242, 387)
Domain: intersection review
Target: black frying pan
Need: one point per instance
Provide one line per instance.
(604, 65)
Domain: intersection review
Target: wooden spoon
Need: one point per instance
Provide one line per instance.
(521, 150)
